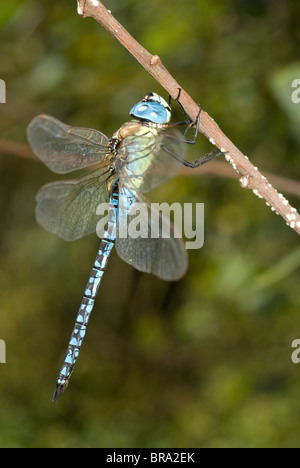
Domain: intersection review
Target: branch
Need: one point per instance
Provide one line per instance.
(250, 177)
(17, 149)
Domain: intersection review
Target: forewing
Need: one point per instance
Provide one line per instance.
(164, 164)
(163, 257)
(68, 208)
(160, 147)
(63, 148)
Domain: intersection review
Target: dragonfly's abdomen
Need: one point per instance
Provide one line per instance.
(88, 300)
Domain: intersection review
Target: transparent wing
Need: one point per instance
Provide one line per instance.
(63, 148)
(149, 157)
(68, 208)
(164, 257)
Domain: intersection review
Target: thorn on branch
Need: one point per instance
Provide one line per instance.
(245, 181)
(155, 60)
(80, 7)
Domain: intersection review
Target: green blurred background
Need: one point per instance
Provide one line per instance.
(206, 361)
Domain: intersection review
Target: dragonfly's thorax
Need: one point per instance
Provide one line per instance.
(133, 147)
(133, 129)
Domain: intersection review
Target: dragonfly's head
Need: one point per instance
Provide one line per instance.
(152, 108)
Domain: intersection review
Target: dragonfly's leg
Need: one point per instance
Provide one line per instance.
(88, 300)
(204, 159)
(193, 141)
(187, 121)
(199, 162)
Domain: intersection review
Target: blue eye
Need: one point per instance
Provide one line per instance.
(152, 111)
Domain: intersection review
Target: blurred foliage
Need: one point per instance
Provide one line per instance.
(205, 362)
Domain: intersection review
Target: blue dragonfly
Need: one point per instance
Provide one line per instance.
(141, 155)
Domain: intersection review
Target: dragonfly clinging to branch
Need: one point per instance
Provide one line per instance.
(141, 155)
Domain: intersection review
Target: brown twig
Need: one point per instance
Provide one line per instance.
(17, 149)
(250, 177)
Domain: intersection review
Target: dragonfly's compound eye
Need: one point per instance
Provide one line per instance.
(152, 108)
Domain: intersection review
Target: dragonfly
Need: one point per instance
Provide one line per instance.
(144, 153)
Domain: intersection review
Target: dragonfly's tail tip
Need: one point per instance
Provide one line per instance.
(59, 390)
